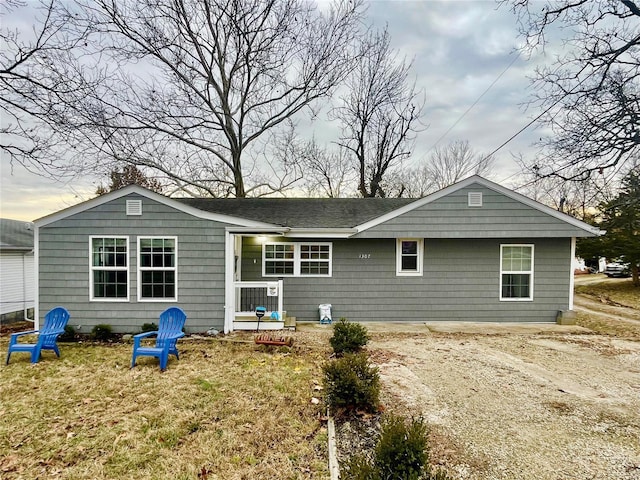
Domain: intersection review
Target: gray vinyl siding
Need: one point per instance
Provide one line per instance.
(451, 217)
(64, 266)
(460, 281)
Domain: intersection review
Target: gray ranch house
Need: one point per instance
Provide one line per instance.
(474, 251)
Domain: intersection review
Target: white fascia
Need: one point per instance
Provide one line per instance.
(321, 232)
(135, 189)
(476, 179)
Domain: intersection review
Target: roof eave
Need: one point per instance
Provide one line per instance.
(321, 232)
(135, 189)
(593, 231)
(257, 230)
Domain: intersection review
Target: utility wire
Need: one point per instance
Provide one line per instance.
(544, 112)
(474, 103)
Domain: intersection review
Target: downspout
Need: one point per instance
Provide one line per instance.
(571, 273)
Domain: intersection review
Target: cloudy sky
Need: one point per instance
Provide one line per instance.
(465, 59)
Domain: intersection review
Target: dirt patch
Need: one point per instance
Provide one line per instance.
(524, 406)
(514, 401)
(604, 308)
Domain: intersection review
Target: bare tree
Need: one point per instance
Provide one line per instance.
(590, 93)
(29, 93)
(193, 88)
(579, 199)
(409, 183)
(380, 114)
(327, 173)
(454, 162)
(445, 166)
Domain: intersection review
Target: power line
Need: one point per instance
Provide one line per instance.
(474, 103)
(544, 112)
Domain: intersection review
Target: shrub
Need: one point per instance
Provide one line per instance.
(149, 327)
(359, 468)
(351, 383)
(102, 332)
(401, 453)
(69, 334)
(348, 337)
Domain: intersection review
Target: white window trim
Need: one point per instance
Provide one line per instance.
(92, 297)
(530, 272)
(141, 269)
(297, 260)
(409, 273)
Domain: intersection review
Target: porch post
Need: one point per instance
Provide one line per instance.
(280, 300)
(36, 280)
(229, 282)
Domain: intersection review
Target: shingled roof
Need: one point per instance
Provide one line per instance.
(15, 235)
(301, 212)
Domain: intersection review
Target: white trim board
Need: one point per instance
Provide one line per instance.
(143, 192)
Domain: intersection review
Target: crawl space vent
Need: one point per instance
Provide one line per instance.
(475, 199)
(134, 207)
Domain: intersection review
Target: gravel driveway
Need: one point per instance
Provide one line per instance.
(526, 405)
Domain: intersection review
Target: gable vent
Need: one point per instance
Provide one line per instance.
(134, 207)
(475, 199)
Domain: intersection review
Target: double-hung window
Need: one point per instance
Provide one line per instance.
(409, 256)
(315, 259)
(157, 268)
(516, 272)
(278, 259)
(296, 259)
(109, 268)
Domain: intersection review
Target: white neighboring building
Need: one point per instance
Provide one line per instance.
(17, 282)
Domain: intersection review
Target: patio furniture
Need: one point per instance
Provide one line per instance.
(169, 331)
(54, 322)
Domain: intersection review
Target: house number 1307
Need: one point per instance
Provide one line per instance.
(365, 255)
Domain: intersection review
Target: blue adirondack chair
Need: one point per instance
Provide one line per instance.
(169, 331)
(54, 323)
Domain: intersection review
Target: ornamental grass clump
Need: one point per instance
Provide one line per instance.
(351, 383)
(348, 337)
